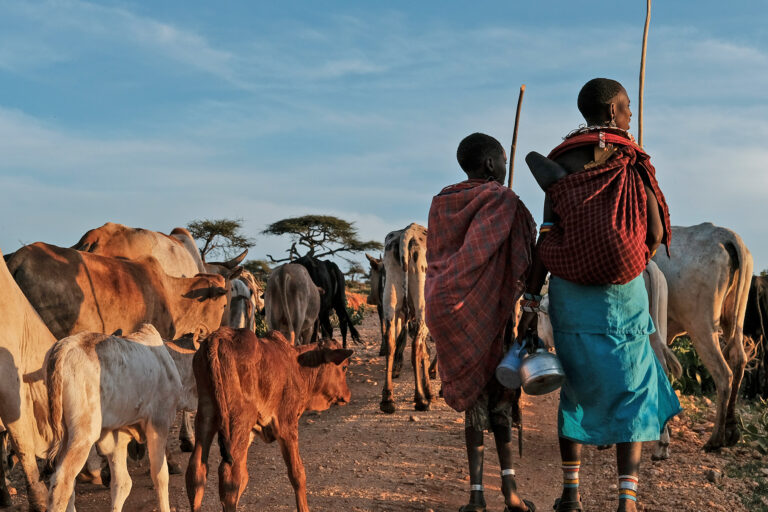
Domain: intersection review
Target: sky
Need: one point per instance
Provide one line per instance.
(153, 114)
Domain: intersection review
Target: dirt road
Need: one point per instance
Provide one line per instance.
(359, 459)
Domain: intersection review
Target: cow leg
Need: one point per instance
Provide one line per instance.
(115, 447)
(662, 447)
(387, 403)
(72, 458)
(231, 475)
(422, 396)
(400, 344)
(325, 325)
(289, 447)
(197, 468)
(187, 432)
(383, 349)
(707, 343)
(157, 436)
(22, 434)
(737, 361)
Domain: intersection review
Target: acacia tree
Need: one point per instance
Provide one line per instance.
(220, 236)
(319, 235)
(355, 269)
(259, 268)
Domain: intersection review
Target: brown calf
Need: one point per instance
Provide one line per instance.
(269, 385)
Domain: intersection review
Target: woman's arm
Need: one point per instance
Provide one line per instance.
(537, 275)
(655, 231)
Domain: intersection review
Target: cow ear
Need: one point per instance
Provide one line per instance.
(312, 358)
(236, 273)
(337, 355)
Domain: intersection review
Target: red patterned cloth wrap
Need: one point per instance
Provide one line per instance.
(480, 243)
(599, 237)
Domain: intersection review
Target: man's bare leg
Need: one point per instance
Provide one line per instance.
(628, 463)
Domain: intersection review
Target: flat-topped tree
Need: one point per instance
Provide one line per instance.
(220, 236)
(319, 235)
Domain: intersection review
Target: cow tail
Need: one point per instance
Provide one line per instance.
(219, 398)
(405, 259)
(741, 262)
(286, 309)
(53, 381)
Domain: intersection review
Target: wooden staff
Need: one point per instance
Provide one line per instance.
(642, 76)
(514, 137)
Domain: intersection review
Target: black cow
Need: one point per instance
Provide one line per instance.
(756, 327)
(327, 276)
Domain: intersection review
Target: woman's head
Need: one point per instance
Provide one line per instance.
(603, 101)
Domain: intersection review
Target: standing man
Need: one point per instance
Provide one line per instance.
(479, 249)
(604, 217)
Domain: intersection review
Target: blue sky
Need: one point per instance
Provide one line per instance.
(153, 114)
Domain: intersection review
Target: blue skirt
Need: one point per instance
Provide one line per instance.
(615, 389)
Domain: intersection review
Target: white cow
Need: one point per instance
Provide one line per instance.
(405, 268)
(89, 401)
(709, 275)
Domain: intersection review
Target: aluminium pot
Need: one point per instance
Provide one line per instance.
(541, 373)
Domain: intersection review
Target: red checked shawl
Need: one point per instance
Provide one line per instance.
(479, 249)
(600, 234)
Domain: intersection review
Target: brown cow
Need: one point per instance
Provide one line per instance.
(24, 340)
(269, 385)
(75, 291)
(292, 303)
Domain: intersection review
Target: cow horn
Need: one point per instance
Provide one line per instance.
(236, 260)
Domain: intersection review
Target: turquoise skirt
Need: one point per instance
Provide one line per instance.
(615, 389)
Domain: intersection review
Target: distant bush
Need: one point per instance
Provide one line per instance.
(696, 379)
(261, 326)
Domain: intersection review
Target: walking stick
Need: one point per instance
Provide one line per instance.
(514, 137)
(642, 76)
(511, 321)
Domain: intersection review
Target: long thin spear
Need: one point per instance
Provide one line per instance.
(514, 137)
(642, 75)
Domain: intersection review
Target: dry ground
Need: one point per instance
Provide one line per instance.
(359, 459)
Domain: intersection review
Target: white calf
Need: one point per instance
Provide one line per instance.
(107, 390)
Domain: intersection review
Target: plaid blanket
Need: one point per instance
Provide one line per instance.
(599, 237)
(480, 241)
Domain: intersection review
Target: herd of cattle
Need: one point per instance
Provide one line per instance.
(189, 345)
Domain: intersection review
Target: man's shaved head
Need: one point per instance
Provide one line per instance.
(595, 96)
(475, 149)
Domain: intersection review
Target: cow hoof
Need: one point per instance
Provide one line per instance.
(732, 436)
(186, 445)
(604, 446)
(387, 406)
(712, 446)
(174, 468)
(660, 456)
(89, 477)
(422, 406)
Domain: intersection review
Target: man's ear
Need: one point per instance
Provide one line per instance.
(488, 167)
(612, 111)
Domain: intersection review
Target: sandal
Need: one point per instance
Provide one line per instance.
(471, 507)
(564, 506)
(531, 507)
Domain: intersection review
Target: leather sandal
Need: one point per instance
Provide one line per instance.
(566, 506)
(531, 507)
